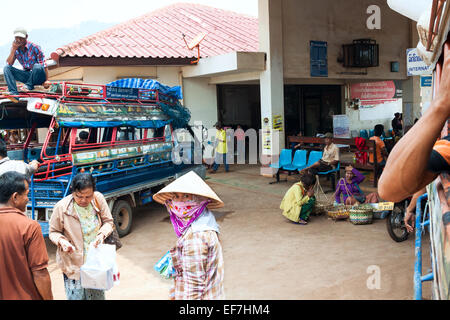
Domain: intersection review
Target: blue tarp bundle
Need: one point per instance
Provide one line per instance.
(138, 83)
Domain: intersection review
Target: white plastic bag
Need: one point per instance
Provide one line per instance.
(98, 270)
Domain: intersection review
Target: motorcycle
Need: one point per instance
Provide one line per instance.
(395, 222)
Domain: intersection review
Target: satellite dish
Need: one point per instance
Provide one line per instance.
(195, 43)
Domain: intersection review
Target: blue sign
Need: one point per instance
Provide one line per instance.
(426, 81)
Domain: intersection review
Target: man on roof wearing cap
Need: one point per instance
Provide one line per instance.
(31, 57)
(330, 157)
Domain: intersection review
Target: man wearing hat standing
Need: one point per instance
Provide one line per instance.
(31, 57)
(330, 157)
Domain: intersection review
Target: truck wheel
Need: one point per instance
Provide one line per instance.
(123, 216)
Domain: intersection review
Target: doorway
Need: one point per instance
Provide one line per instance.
(310, 108)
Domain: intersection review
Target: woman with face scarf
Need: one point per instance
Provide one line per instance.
(197, 256)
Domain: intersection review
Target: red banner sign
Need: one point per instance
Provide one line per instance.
(382, 90)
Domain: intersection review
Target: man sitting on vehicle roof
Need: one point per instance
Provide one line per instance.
(31, 57)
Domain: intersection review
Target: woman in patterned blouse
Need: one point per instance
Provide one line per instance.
(77, 221)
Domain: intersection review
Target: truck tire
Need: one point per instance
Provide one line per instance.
(123, 217)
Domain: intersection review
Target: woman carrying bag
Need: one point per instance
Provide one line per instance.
(197, 256)
(77, 221)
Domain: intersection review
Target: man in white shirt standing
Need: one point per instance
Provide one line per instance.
(7, 164)
(330, 157)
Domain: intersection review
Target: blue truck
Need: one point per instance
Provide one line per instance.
(127, 146)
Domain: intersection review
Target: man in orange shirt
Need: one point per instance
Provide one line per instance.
(23, 254)
(382, 153)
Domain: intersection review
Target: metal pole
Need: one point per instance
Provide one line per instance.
(418, 250)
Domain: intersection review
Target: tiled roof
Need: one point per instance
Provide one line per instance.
(158, 34)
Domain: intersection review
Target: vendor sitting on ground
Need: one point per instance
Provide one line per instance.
(299, 200)
(350, 190)
(330, 157)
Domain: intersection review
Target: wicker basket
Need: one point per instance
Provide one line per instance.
(339, 212)
(361, 215)
(321, 208)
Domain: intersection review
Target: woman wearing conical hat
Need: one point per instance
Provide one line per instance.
(197, 256)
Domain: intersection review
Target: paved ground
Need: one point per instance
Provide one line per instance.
(266, 256)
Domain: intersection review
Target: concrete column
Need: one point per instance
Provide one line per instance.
(272, 79)
(412, 93)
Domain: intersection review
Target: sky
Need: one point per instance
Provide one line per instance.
(44, 14)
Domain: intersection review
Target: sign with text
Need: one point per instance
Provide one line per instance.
(426, 81)
(341, 126)
(415, 65)
(375, 91)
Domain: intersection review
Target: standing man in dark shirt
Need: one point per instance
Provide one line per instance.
(397, 125)
(23, 254)
(31, 57)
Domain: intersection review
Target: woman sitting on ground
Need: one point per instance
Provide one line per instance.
(299, 200)
(350, 190)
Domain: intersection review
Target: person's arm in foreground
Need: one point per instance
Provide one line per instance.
(43, 283)
(411, 211)
(405, 172)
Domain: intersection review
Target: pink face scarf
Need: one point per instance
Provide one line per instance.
(183, 214)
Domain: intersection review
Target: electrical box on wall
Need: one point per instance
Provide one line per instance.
(362, 53)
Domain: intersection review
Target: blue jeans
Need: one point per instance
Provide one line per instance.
(224, 161)
(31, 78)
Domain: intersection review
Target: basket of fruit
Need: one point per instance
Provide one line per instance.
(339, 212)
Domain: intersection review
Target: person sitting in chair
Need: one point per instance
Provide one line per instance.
(382, 153)
(330, 157)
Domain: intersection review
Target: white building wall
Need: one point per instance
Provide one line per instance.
(201, 99)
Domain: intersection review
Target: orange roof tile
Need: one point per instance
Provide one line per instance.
(158, 34)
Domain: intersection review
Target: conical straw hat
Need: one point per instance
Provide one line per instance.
(189, 183)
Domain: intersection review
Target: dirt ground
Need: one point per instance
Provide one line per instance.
(266, 256)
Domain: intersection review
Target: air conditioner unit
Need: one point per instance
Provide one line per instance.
(362, 53)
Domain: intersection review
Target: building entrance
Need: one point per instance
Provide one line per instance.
(310, 109)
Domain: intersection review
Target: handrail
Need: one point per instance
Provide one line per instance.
(420, 225)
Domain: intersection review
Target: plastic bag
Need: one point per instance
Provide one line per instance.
(165, 266)
(98, 270)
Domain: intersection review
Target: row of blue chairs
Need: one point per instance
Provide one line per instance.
(365, 135)
(300, 162)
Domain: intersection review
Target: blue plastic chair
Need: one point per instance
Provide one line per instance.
(298, 162)
(314, 156)
(284, 160)
(364, 134)
(331, 173)
(371, 133)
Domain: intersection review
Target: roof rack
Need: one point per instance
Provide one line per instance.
(80, 92)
